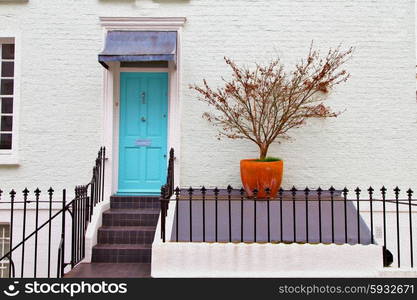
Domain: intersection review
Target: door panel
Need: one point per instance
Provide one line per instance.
(142, 132)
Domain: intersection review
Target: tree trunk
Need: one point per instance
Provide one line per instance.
(263, 150)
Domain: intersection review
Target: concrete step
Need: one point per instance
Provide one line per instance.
(110, 270)
(126, 234)
(131, 217)
(122, 253)
(134, 202)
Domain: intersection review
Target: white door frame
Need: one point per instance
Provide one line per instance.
(111, 84)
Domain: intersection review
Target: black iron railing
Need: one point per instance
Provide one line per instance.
(167, 190)
(80, 210)
(302, 216)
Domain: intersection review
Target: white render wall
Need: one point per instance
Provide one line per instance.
(373, 142)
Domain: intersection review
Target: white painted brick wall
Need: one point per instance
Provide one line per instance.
(373, 142)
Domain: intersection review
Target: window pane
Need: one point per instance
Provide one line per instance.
(6, 123)
(6, 231)
(6, 87)
(6, 247)
(7, 69)
(7, 105)
(6, 141)
(4, 270)
(8, 51)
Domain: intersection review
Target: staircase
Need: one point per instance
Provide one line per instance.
(127, 231)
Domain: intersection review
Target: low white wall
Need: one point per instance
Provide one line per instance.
(92, 229)
(172, 259)
(265, 260)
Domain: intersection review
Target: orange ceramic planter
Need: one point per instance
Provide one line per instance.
(261, 175)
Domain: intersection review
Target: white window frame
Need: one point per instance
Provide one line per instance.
(11, 157)
(4, 265)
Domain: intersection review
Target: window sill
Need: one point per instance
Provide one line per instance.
(8, 159)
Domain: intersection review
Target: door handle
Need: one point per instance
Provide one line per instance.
(143, 119)
(143, 97)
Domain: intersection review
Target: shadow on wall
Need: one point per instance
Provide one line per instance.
(287, 229)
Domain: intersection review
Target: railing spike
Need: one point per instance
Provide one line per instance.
(50, 191)
(37, 191)
(293, 190)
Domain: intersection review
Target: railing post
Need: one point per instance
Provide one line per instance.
(63, 232)
(319, 191)
(162, 200)
(37, 194)
(410, 194)
(12, 195)
(190, 199)
(203, 193)
(331, 190)
(371, 191)
(103, 163)
(216, 196)
(345, 192)
(281, 232)
(50, 193)
(177, 211)
(358, 217)
(294, 193)
(397, 213)
(25, 198)
(255, 198)
(73, 229)
(306, 192)
(229, 198)
(171, 166)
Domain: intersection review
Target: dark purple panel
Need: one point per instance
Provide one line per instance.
(7, 105)
(7, 69)
(6, 141)
(6, 87)
(7, 51)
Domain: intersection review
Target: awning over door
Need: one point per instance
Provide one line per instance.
(135, 46)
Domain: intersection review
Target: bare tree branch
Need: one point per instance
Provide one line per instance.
(263, 104)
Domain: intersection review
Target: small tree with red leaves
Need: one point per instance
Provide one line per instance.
(263, 104)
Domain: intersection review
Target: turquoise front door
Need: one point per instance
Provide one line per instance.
(143, 132)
